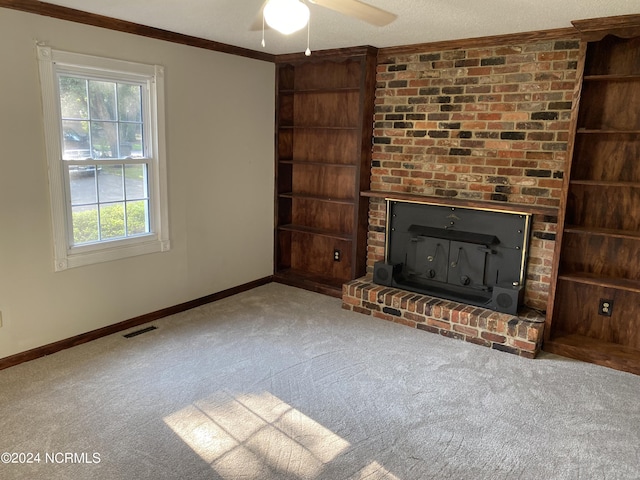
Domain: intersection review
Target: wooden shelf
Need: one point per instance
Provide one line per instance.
(591, 131)
(599, 281)
(319, 90)
(316, 231)
(317, 163)
(603, 232)
(342, 201)
(603, 183)
(611, 78)
(316, 127)
(591, 350)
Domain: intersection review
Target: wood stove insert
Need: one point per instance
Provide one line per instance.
(470, 255)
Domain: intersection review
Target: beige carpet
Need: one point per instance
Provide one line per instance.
(280, 383)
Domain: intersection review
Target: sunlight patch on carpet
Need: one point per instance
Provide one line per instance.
(252, 434)
(375, 471)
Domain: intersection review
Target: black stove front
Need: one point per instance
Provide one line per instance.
(469, 255)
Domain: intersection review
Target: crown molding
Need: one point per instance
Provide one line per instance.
(594, 29)
(78, 16)
(480, 42)
(329, 53)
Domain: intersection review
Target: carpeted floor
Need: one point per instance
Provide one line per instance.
(281, 383)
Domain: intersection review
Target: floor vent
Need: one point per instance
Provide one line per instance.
(139, 332)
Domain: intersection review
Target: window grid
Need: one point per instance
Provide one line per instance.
(113, 93)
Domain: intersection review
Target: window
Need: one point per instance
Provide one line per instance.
(104, 132)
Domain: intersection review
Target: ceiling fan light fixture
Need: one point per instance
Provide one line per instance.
(286, 16)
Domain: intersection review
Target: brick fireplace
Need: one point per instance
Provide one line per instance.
(476, 125)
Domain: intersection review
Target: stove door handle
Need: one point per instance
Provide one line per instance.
(454, 264)
(431, 258)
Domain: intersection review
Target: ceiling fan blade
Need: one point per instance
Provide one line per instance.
(355, 8)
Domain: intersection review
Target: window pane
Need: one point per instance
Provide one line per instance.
(112, 220)
(82, 180)
(136, 181)
(102, 100)
(85, 224)
(73, 98)
(104, 139)
(110, 183)
(75, 140)
(131, 140)
(129, 103)
(137, 217)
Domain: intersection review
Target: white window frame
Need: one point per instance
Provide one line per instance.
(66, 255)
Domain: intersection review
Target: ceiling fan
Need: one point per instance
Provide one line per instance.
(351, 8)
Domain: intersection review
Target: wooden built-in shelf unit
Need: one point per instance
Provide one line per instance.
(594, 308)
(324, 123)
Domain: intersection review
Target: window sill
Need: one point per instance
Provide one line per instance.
(116, 251)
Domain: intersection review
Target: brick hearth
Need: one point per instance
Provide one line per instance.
(520, 335)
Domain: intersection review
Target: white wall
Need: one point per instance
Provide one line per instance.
(219, 136)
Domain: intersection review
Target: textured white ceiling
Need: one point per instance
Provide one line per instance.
(419, 21)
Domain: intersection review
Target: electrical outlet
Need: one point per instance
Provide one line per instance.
(605, 307)
(336, 255)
